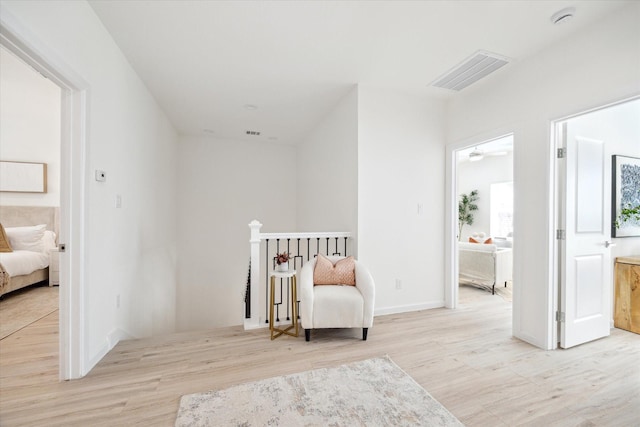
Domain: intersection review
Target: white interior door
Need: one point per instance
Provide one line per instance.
(585, 287)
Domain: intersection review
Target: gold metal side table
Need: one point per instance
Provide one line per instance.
(276, 332)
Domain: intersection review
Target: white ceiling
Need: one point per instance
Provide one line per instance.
(205, 60)
(496, 147)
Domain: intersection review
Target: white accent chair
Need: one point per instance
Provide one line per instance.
(336, 306)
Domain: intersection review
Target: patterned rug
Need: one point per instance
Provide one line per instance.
(21, 308)
(373, 392)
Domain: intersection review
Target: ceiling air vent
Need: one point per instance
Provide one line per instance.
(253, 133)
(479, 65)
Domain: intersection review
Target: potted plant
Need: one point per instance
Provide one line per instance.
(282, 261)
(466, 207)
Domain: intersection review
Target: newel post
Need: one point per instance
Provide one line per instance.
(254, 320)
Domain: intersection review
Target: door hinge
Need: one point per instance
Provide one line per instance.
(561, 235)
(562, 153)
(560, 317)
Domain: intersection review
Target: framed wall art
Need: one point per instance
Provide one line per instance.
(625, 196)
(23, 177)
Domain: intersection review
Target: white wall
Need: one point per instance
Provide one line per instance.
(400, 165)
(479, 176)
(130, 251)
(30, 130)
(327, 195)
(593, 67)
(224, 185)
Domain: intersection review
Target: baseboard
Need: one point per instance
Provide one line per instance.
(253, 324)
(117, 335)
(260, 324)
(113, 338)
(408, 308)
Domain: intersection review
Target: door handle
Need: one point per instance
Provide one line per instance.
(608, 244)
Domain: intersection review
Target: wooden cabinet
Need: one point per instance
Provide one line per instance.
(627, 299)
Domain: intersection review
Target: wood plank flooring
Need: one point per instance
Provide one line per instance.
(466, 358)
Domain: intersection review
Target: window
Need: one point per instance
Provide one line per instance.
(501, 209)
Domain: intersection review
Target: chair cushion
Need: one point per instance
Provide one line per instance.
(337, 307)
(340, 273)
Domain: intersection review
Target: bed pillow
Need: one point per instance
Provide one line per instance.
(341, 273)
(27, 238)
(5, 246)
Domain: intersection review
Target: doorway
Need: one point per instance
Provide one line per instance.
(30, 132)
(73, 193)
(584, 248)
(483, 245)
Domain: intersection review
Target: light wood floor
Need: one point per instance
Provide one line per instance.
(466, 358)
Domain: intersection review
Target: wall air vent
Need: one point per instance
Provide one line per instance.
(479, 65)
(253, 133)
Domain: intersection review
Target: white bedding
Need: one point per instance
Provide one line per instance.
(18, 263)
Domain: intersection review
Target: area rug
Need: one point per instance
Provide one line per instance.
(19, 309)
(373, 392)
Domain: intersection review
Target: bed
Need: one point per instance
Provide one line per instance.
(33, 231)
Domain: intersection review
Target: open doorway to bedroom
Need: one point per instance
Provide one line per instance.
(31, 117)
(484, 189)
(72, 103)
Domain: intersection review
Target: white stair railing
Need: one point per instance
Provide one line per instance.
(302, 247)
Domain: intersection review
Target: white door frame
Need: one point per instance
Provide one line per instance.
(556, 139)
(73, 187)
(451, 210)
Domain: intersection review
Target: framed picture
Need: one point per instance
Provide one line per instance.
(625, 194)
(23, 177)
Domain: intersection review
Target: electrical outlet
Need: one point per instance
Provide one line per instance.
(118, 201)
(398, 284)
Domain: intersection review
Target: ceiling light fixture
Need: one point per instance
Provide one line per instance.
(564, 15)
(476, 155)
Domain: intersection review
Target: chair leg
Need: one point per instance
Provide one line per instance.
(307, 334)
(364, 333)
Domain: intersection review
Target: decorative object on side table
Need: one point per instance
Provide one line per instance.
(466, 206)
(282, 261)
(625, 197)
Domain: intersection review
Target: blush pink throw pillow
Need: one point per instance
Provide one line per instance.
(340, 273)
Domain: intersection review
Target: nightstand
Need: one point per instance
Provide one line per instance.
(54, 267)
